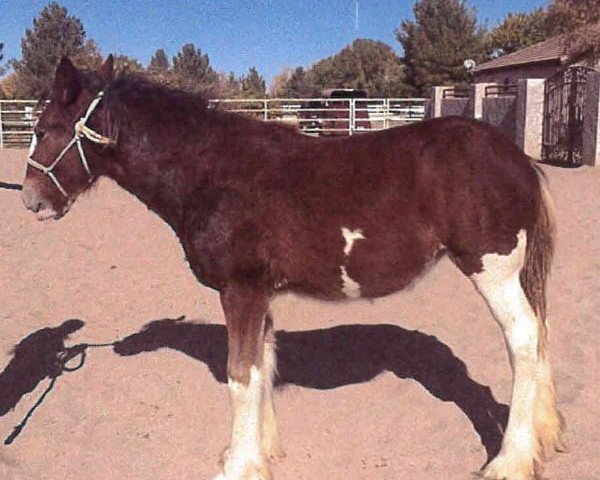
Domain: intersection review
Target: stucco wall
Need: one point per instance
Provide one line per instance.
(515, 73)
(501, 112)
(455, 106)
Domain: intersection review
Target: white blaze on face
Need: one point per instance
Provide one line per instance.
(32, 145)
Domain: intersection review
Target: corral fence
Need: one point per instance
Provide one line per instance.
(313, 116)
(17, 118)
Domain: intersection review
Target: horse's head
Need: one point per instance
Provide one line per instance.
(67, 144)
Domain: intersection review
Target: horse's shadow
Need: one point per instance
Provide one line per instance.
(321, 359)
(343, 355)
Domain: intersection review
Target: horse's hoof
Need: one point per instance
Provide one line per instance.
(275, 454)
(509, 468)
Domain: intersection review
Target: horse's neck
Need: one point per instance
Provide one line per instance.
(163, 187)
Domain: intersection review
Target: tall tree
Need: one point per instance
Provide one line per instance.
(278, 83)
(253, 85)
(444, 34)
(579, 21)
(126, 64)
(366, 64)
(8, 87)
(228, 86)
(1, 58)
(54, 34)
(192, 70)
(293, 84)
(159, 63)
(518, 30)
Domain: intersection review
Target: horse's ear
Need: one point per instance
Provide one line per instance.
(106, 70)
(66, 86)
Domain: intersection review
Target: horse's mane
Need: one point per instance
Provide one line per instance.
(172, 107)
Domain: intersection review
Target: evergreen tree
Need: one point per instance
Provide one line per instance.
(518, 30)
(54, 34)
(253, 85)
(192, 70)
(443, 35)
(299, 85)
(159, 63)
(365, 64)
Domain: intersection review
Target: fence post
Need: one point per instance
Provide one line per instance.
(437, 94)
(1, 126)
(591, 120)
(530, 116)
(386, 113)
(351, 116)
(477, 94)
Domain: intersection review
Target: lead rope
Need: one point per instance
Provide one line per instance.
(64, 357)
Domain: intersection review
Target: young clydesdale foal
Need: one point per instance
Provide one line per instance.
(261, 209)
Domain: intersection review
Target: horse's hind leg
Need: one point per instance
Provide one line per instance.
(533, 421)
(245, 309)
(270, 439)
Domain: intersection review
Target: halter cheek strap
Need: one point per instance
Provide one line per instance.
(81, 131)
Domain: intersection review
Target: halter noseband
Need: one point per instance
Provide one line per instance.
(81, 130)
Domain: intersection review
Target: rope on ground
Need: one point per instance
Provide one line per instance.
(63, 358)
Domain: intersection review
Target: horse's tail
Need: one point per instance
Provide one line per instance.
(539, 251)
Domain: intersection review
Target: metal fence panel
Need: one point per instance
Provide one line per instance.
(313, 116)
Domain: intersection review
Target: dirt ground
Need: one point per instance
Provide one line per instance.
(391, 389)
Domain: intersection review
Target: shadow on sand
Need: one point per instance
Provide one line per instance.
(319, 359)
(343, 355)
(11, 186)
(35, 358)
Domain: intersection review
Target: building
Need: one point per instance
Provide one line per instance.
(542, 60)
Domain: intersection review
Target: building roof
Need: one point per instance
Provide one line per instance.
(552, 49)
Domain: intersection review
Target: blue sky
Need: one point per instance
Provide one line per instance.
(267, 34)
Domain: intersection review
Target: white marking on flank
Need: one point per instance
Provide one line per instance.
(350, 236)
(350, 288)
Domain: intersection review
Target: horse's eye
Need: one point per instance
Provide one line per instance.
(39, 134)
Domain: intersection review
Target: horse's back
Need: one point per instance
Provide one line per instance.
(367, 215)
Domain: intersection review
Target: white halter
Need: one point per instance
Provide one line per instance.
(81, 130)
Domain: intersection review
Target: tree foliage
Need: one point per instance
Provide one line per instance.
(126, 64)
(444, 34)
(1, 58)
(159, 63)
(365, 64)
(517, 31)
(579, 21)
(8, 87)
(299, 85)
(252, 85)
(192, 70)
(54, 34)
(227, 86)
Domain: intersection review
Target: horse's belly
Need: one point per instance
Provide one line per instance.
(369, 267)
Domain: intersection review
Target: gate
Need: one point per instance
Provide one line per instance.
(562, 140)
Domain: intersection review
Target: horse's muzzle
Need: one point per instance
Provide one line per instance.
(33, 202)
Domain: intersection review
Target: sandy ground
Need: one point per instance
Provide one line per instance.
(384, 390)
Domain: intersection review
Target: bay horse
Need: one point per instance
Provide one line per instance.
(261, 209)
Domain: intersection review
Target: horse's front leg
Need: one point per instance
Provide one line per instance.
(245, 308)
